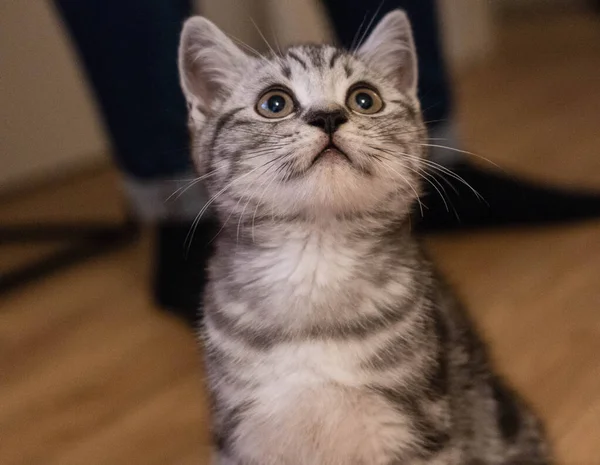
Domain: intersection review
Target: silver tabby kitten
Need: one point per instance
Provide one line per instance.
(329, 338)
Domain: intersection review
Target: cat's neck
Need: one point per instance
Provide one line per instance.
(272, 234)
(335, 251)
(319, 272)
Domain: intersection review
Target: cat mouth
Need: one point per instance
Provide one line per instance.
(331, 153)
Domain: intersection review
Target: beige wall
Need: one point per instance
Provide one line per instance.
(298, 21)
(48, 121)
(282, 22)
(468, 30)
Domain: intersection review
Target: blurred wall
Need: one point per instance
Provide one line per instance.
(298, 21)
(49, 124)
(520, 4)
(282, 22)
(468, 30)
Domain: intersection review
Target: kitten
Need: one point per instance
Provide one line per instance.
(329, 339)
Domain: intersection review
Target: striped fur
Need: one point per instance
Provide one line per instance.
(329, 339)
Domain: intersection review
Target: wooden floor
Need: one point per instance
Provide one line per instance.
(91, 373)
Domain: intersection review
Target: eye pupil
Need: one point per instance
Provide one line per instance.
(274, 104)
(364, 100)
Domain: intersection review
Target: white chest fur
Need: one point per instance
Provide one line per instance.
(306, 277)
(311, 402)
(310, 405)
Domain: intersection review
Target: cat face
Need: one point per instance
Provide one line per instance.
(314, 131)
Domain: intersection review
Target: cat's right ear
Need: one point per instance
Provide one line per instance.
(209, 64)
(390, 49)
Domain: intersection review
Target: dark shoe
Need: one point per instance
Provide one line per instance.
(180, 273)
(506, 202)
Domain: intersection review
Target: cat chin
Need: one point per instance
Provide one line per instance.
(339, 191)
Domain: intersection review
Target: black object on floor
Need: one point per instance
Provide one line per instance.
(507, 202)
(84, 240)
(180, 272)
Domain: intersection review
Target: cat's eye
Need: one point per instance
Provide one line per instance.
(365, 101)
(275, 104)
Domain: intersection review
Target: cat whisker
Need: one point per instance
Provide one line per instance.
(259, 203)
(443, 178)
(262, 36)
(265, 60)
(181, 190)
(435, 166)
(231, 213)
(407, 183)
(453, 149)
(190, 235)
(447, 198)
(237, 238)
(389, 169)
(420, 129)
(358, 31)
(248, 201)
(247, 47)
(442, 170)
(430, 179)
(366, 31)
(266, 152)
(277, 44)
(381, 129)
(274, 160)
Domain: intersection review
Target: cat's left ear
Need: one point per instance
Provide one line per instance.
(390, 49)
(210, 64)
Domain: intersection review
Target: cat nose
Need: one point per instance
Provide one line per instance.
(328, 121)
